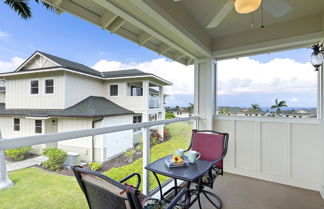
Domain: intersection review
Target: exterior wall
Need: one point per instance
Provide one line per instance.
(287, 151)
(116, 143)
(134, 103)
(27, 128)
(2, 97)
(79, 145)
(105, 146)
(18, 92)
(78, 87)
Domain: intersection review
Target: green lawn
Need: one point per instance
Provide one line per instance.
(37, 189)
(180, 132)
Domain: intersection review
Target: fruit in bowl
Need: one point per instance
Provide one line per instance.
(177, 158)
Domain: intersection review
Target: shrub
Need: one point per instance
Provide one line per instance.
(56, 158)
(19, 153)
(155, 137)
(166, 133)
(130, 154)
(169, 115)
(139, 147)
(94, 166)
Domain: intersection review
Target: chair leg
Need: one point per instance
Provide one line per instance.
(199, 202)
(215, 196)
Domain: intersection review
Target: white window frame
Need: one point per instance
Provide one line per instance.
(30, 87)
(46, 79)
(14, 124)
(114, 84)
(41, 127)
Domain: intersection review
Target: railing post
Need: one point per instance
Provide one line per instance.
(195, 124)
(4, 179)
(146, 160)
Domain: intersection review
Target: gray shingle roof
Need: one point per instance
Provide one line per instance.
(72, 65)
(87, 108)
(124, 73)
(77, 67)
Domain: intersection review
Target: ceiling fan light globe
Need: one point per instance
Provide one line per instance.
(246, 6)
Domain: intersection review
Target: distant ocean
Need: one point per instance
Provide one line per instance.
(283, 108)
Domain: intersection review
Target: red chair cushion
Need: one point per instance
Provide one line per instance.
(210, 146)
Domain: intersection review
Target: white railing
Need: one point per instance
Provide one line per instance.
(55, 137)
(154, 102)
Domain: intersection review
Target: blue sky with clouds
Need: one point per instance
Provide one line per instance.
(75, 39)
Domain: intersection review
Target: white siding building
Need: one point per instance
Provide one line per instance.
(49, 94)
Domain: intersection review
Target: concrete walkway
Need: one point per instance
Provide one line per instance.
(12, 166)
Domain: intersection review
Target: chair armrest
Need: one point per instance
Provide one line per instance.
(177, 198)
(218, 159)
(130, 176)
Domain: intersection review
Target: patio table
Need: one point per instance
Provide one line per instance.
(191, 173)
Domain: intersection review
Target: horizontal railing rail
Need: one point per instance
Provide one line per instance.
(10, 143)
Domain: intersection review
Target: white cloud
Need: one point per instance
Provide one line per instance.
(235, 76)
(294, 99)
(6, 66)
(3, 35)
(245, 75)
(181, 76)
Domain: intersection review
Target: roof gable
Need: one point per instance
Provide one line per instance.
(37, 61)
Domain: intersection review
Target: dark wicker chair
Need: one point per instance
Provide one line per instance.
(103, 192)
(212, 146)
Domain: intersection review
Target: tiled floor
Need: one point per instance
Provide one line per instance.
(238, 192)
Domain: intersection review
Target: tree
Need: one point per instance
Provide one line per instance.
(277, 105)
(255, 107)
(22, 8)
(169, 115)
(190, 108)
(223, 111)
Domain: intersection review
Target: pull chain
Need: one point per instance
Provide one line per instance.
(252, 24)
(262, 25)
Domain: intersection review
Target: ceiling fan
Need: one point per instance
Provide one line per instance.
(277, 8)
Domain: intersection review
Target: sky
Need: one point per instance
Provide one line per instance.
(258, 79)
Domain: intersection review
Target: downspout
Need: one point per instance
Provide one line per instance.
(93, 138)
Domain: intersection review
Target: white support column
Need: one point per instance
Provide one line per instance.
(146, 160)
(321, 112)
(146, 94)
(161, 96)
(205, 92)
(4, 179)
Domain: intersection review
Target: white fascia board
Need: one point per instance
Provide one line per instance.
(269, 46)
(142, 76)
(38, 118)
(71, 71)
(59, 68)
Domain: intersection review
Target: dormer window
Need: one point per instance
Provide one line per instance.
(34, 87)
(49, 86)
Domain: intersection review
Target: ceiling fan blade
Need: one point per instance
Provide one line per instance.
(221, 14)
(277, 8)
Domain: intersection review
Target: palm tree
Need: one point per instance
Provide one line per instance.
(190, 108)
(255, 108)
(21, 7)
(277, 105)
